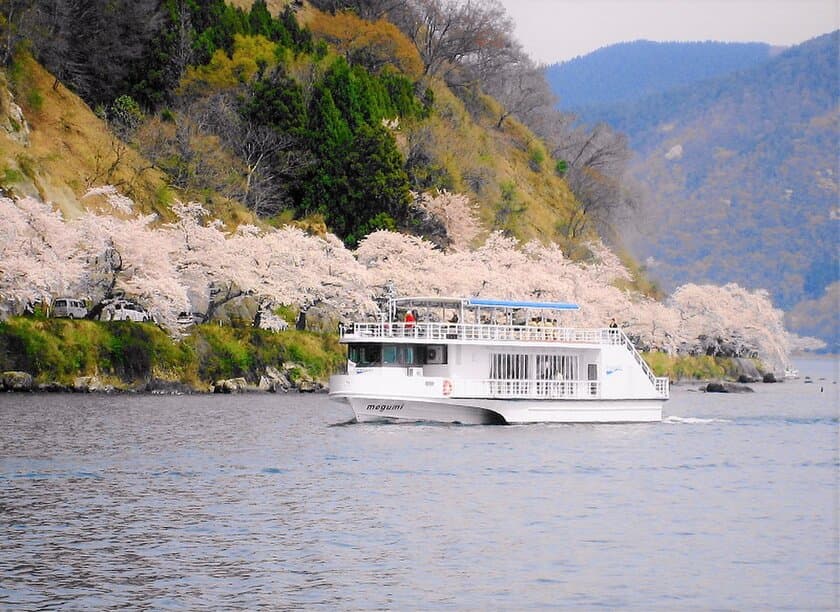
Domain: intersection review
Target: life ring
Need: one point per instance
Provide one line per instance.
(447, 387)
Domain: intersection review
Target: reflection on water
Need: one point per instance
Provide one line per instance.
(259, 501)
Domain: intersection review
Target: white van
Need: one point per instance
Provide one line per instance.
(69, 308)
(124, 310)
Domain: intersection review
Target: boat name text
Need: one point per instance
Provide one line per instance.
(383, 407)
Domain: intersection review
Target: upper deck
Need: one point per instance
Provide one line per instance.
(443, 333)
(442, 320)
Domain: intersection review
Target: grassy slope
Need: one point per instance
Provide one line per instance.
(468, 147)
(70, 149)
(129, 354)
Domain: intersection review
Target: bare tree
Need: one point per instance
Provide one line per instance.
(371, 10)
(595, 161)
(447, 31)
(15, 21)
(520, 88)
(182, 54)
(271, 159)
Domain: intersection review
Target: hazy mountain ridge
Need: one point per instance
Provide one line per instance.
(740, 174)
(629, 71)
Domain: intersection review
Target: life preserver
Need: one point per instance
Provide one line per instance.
(447, 387)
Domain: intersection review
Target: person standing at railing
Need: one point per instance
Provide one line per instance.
(410, 318)
(613, 324)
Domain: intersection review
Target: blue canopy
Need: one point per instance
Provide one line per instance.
(515, 304)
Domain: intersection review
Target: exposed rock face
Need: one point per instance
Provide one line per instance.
(321, 318)
(274, 380)
(301, 378)
(747, 372)
(15, 381)
(240, 310)
(12, 121)
(717, 346)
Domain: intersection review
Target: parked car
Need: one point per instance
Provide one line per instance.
(188, 319)
(69, 308)
(124, 310)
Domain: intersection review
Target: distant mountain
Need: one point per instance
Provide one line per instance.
(630, 71)
(741, 177)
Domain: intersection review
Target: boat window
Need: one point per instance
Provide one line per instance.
(508, 366)
(407, 355)
(365, 354)
(389, 354)
(396, 354)
(399, 354)
(557, 367)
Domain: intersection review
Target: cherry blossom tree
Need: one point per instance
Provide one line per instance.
(110, 250)
(38, 255)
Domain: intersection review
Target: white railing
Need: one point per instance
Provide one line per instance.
(479, 332)
(661, 384)
(526, 389)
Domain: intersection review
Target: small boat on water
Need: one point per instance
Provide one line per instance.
(485, 361)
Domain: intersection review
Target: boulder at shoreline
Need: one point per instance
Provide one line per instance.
(15, 381)
(726, 387)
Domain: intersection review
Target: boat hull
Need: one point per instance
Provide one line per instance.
(487, 411)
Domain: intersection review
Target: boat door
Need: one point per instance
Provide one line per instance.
(592, 378)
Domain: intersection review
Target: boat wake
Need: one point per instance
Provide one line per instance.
(675, 420)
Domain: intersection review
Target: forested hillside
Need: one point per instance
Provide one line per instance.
(626, 72)
(284, 156)
(301, 114)
(740, 178)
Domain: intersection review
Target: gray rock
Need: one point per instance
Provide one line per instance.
(769, 378)
(16, 381)
(274, 380)
(747, 370)
(727, 387)
(272, 385)
(230, 385)
(91, 384)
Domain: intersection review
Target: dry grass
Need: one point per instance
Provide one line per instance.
(70, 149)
(468, 148)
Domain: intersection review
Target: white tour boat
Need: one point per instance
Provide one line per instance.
(471, 360)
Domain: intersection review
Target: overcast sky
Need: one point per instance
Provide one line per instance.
(557, 30)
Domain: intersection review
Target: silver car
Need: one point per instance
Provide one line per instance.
(69, 308)
(125, 310)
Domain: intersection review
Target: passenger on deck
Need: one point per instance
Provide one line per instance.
(410, 318)
(613, 324)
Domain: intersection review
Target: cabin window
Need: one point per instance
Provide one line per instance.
(557, 367)
(365, 354)
(389, 354)
(504, 366)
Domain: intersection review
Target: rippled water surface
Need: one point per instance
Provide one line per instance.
(276, 501)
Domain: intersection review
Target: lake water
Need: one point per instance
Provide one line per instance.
(276, 501)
